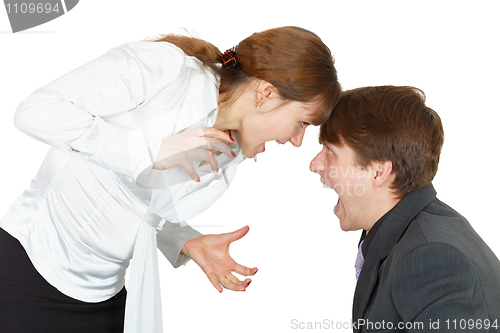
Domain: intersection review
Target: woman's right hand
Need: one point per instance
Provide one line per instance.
(194, 144)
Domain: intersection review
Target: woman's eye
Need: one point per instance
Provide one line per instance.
(329, 151)
(304, 123)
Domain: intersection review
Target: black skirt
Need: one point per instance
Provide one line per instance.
(29, 304)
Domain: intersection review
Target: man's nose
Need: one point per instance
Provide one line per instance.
(317, 164)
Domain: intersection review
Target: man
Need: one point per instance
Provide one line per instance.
(421, 266)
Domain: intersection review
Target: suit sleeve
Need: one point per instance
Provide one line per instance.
(70, 112)
(437, 283)
(172, 238)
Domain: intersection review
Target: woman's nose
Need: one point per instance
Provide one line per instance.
(297, 139)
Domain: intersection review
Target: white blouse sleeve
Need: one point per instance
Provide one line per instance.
(68, 113)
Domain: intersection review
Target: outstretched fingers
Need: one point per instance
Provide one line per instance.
(235, 235)
(245, 271)
(228, 281)
(215, 282)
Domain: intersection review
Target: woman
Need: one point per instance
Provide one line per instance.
(128, 130)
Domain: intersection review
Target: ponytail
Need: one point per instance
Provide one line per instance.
(292, 59)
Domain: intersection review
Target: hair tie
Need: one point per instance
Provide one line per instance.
(228, 59)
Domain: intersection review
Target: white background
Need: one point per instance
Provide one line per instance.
(449, 49)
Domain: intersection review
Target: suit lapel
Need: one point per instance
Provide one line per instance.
(388, 235)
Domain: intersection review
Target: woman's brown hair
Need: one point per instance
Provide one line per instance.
(389, 123)
(292, 59)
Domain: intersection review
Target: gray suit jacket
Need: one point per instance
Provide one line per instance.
(427, 270)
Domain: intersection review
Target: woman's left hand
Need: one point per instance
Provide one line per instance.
(211, 253)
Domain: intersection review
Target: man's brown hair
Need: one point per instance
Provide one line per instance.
(389, 123)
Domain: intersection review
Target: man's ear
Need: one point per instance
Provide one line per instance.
(382, 173)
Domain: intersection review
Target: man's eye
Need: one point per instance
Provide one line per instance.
(329, 151)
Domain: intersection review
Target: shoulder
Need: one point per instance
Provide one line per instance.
(437, 235)
(161, 64)
(431, 272)
(145, 48)
(441, 260)
(438, 222)
(435, 258)
(435, 248)
(440, 246)
(158, 54)
(139, 64)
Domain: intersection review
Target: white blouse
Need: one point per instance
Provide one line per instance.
(96, 202)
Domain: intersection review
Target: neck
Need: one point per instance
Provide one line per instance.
(380, 209)
(229, 116)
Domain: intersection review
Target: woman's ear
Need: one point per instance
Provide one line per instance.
(263, 92)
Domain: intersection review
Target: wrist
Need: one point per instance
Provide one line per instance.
(188, 247)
